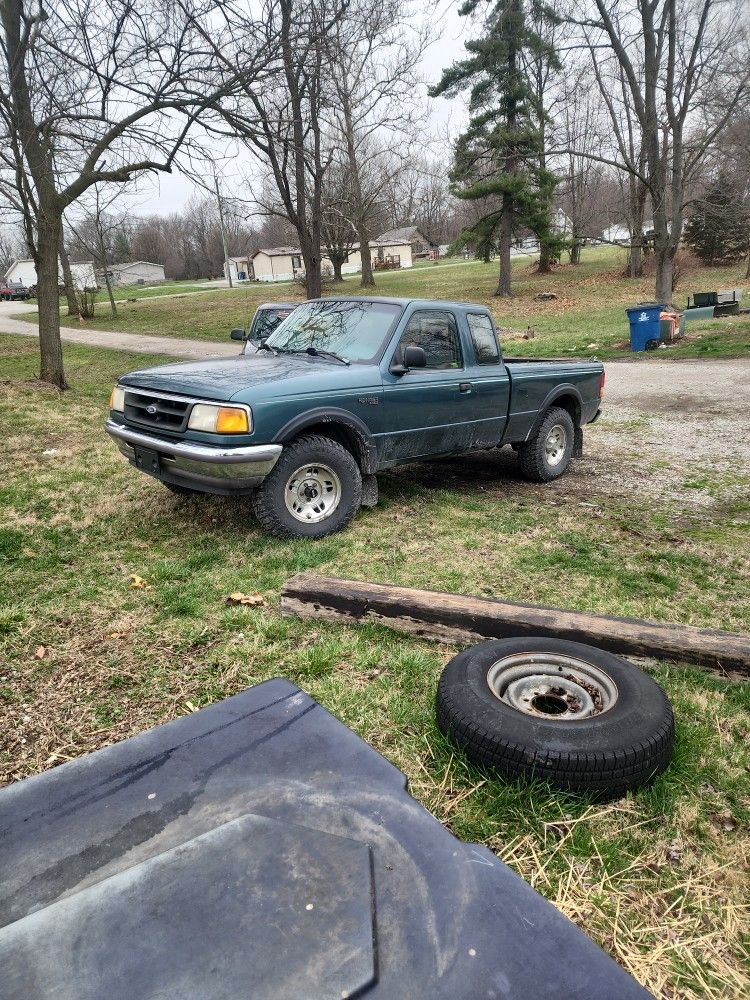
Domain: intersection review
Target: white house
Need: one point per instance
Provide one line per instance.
(285, 263)
(240, 268)
(23, 272)
(619, 233)
(137, 272)
(420, 245)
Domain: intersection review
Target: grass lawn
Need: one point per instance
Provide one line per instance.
(658, 879)
(587, 319)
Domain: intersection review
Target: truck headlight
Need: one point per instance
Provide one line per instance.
(220, 419)
(117, 399)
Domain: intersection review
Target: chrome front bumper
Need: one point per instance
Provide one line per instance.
(204, 467)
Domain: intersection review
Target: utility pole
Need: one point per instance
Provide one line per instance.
(223, 232)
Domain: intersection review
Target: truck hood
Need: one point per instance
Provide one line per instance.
(253, 376)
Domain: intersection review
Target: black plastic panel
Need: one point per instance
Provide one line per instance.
(259, 849)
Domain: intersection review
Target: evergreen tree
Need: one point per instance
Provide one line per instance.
(121, 249)
(500, 155)
(718, 231)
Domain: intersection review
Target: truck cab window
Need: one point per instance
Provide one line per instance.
(435, 331)
(483, 338)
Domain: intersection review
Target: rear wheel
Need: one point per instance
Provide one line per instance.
(547, 454)
(314, 489)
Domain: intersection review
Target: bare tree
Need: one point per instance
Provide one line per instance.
(96, 232)
(685, 71)
(282, 123)
(91, 94)
(580, 129)
(374, 53)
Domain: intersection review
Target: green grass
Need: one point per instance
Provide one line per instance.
(659, 879)
(586, 320)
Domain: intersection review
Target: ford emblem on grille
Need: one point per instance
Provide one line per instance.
(151, 409)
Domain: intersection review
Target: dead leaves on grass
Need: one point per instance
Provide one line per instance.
(138, 583)
(251, 600)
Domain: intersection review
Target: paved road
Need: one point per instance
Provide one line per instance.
(139, 343)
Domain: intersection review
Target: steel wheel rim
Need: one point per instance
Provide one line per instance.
(552, 686)
(555, 444)
(312, 493)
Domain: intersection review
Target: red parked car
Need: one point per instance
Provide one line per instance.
(10, 291)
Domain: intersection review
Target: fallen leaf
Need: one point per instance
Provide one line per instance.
(238, 597)
(41, 652)
(138, 583)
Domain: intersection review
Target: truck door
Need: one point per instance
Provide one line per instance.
(489, 380)
(428, 411)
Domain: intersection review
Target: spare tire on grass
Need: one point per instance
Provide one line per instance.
(563, 712)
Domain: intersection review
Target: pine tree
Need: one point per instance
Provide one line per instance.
(499, 154)
(718, 231)
(121, 248)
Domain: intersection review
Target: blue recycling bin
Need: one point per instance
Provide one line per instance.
(645, 332)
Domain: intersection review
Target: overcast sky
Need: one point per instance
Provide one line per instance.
(169, 192)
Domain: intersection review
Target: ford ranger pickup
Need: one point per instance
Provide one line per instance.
(342, 389)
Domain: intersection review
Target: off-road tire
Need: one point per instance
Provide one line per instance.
(268, 500)
(603, 756)
(532, 453)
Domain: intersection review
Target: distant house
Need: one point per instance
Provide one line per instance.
(285, 263)
(420, 245)
(619, 233)
(138, 272)
(277, 264)
(240, 268)
(23, 272)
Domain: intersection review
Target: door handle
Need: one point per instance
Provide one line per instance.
(464, 386)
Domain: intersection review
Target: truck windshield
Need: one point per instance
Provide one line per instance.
(353, 330)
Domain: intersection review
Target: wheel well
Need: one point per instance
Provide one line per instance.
(346, 436)
(571, 404)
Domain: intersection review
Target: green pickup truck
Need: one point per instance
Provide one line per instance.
(342, 389)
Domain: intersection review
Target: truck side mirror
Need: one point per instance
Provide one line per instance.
(238, 334)
(413, 357)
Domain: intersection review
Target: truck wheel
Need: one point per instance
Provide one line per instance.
(314, 489)
(547, 454)
(557, 711)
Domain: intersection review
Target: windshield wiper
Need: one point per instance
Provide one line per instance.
(263, 346)
(316, 352)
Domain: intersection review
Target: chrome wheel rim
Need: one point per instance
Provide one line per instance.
(312, 493)
(552, 686)
(555, 444)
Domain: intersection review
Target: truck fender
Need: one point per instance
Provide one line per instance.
(357, 432)
(559, 392)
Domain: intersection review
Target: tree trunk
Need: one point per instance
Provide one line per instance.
(747, 271)
(108, 283)
(664, 275)
(337, 262)
(70, 292)
(311, 260)
(545, 261)
(637, 211)
(50, 346)
(575, 251)
(506, 240)
(368, 278)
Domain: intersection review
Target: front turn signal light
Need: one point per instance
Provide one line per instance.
(230, 420)
(117, 399)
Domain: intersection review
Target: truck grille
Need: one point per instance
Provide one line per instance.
(151, 409)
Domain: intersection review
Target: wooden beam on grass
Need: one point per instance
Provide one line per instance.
(458, 619)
